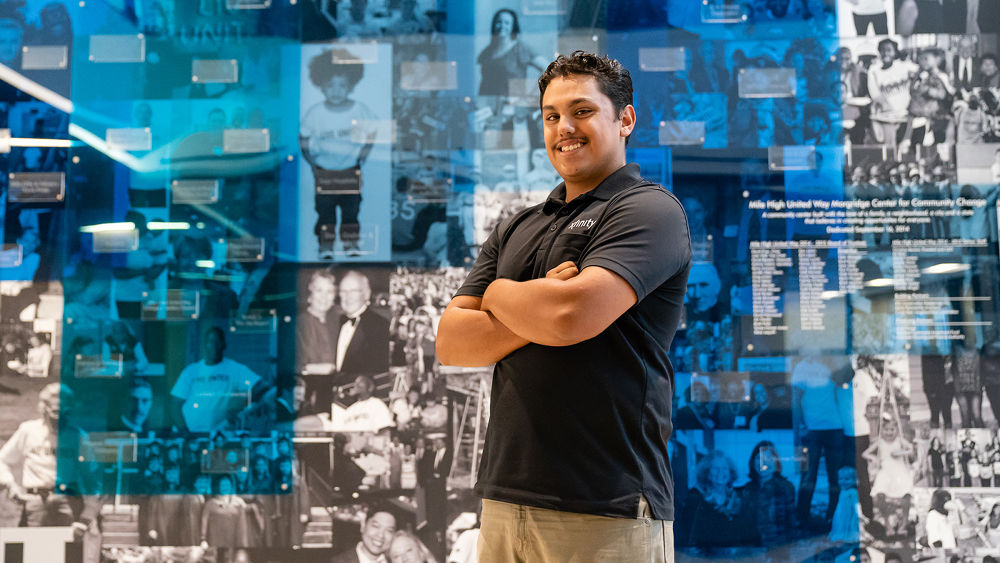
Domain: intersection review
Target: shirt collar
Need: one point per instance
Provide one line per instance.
(364, 557)
(618, 180)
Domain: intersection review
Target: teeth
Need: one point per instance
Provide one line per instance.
(568, 148)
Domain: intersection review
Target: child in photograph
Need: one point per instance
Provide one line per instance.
(889, 458)
(846, 518)
(889, 88)
(336, 137)
(931, 94)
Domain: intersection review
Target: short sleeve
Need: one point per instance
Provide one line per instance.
(524, 54)
(484, 271)
(306, 126)
(644, 239)
(182, 388)
(247, 377)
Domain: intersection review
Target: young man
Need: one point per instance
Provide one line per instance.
(376, 537)
(577, 300)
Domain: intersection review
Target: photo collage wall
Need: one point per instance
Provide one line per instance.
(230, 228)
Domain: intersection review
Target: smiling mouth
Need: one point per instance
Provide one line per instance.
(573, 147)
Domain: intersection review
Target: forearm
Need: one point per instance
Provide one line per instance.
(538, 310)
(472, 338)
(177, 413)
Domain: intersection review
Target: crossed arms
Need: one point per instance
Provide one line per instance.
(565, 307)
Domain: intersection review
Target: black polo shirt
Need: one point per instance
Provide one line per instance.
(584, 428)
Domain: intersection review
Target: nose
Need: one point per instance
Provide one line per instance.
(567, 126)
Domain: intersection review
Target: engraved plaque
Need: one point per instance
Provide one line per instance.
(44, 57)
(243, 141)
(662, 59)
(195, 191)
(37, 186)
(117, 48)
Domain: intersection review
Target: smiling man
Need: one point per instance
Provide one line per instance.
(576, 300)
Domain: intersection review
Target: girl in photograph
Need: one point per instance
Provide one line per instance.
(991, 526)
(889, 458)
(940, 533)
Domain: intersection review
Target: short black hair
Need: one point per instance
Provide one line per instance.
(989, 56)
(612, 77)
(888, 41)
(336, 62)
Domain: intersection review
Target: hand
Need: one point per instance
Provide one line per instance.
(563, 271)
(303, 518)
(79, 528)
(203, 545)
(17, 493)
(153, 535)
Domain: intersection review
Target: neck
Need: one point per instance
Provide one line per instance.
(319, 314)
(575, 189)
(339, 105)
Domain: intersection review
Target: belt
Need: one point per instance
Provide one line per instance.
(42, 491)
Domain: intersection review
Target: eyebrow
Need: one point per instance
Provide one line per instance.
(573, 103)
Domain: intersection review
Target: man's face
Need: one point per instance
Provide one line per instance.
(140, 400)
(298, 396)
(584, 137)
(203, 486)
(354, 294)
(844, 55)
(404, 550)
(377, 533)
(216, 120)
(212, 347)
(695, 211)
(10, 44)
(363, 389)
(322, 294)
(702, 289)
(50, 407)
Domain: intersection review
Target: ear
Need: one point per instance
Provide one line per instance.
(627, 121)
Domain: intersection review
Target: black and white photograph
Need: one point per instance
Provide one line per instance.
(345, 180)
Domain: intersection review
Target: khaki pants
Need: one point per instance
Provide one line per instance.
(524, 534)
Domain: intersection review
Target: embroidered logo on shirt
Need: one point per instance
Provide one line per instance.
(581, 224)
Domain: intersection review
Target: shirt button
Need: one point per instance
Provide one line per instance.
(553, 227)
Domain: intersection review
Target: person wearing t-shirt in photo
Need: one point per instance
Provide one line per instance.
(822, 434)
(210, 391)
(889, 88)
(336, 137)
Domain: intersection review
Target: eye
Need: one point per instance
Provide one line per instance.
(552, 117)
